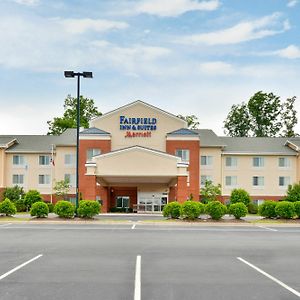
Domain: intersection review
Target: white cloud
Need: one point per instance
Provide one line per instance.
(242, 32)
(290, 52)
(78, 26)
(292, 3)
(28, 2)
(216, 68)
(173, 8)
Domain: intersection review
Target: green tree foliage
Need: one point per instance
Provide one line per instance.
(238, 210)
(285, 209)
(210, 192)
(13, 193)
(7, 207)
(88, 208)
(267, 209)
(62, 188)
(239, 195)
(172, 210)
(69, 120)
(191, 210)
(64, 209)
(297, 208)
(264, 115)
(216, 210)
(192, 121)
(293, 193)
(39, 210)
(31, 197)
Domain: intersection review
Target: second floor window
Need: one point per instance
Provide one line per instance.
(206, 160)
(44, 160)
(205, 178)
(258, 181)
(44, 179)
(18, 160)
(258, 161)
(69, 159)
(284, 180)
(70, 178)
(230, 180)
(231, 161)
(184, 154)
(18, 179)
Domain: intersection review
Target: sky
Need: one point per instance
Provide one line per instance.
(183, 56)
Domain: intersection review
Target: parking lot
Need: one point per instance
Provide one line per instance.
(140, 261)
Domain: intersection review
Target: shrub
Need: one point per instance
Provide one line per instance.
(238, 210)
(50, 206)
(7, 207)
(13, 193)
(252, 208)
(293, 193)
(39, 209)
(297, 208)
(285, 209)
(64, 209)
(267, 209)
(88, 208)
(120, 209)
(216, 210)
(191, 210)
(172, 209)
(31, 197)
(239, 195)
(20, 205)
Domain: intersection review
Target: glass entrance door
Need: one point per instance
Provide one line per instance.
(123, 202)
(152, 202)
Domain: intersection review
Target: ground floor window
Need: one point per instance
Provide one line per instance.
(122, 201)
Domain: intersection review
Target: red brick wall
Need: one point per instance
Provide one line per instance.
(265, 197)
(194, 167)
(122, 191)
(182, 189)
(1, 193)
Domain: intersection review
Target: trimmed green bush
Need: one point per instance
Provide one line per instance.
(238, 210)
(39, 209)
(252, 208)
(20, 205)
(64, 209)
(31, 197)
(7, 207)
(50, 206)
(191, 210)
(216, 210)
(267, 209)
(297, 208)
(88, 208)
(285, 210)
(239, 195)
(172, 210)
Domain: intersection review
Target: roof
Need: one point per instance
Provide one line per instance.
(259, 145)
(94, 130)
(5, 140)
(209, 139)
(183, 131)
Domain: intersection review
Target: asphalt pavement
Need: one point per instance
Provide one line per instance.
(101, 261)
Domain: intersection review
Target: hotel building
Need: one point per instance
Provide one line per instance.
(142, 157)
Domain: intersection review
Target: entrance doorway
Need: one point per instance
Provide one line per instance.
(151, 201)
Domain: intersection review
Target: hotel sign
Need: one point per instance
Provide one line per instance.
(138, 127)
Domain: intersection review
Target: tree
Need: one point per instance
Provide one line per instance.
(13, 193)
(192, 121)
(210, 192)
(69, 120)
(293, 193)
(240, 195)
(31, 197)
(264, 115)
(62, 188)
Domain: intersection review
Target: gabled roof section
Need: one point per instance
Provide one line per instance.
(209, 139)
(135, 103)
(293, 143)
(183, 131)
(7, 141)
(94, 131)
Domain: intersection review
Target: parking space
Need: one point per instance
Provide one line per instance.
(92, 261)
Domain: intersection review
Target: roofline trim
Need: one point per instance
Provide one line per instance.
(292, 146)
(258, 153)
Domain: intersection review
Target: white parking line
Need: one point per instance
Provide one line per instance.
(137, 281)
(3, 225)
(267, 228)
(133, 226)
(270, 277)
(20, 266)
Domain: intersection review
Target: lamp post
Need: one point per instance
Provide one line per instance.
(72, 74)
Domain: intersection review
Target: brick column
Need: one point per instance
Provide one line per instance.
(182, 189)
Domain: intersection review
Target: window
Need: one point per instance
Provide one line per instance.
(92, 152)
(44, 179)
(230, 180)
(184, 154)
(258, 162)
(231, 161)
(122, 201)
(18, 160)
(44, 160)
(284, 162)
(71, 179)
(205, 178)
(258, 181)
(18, 179)
(284, 181)
(70, 159)
(206, 160)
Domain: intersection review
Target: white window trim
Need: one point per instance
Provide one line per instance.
(44, 184)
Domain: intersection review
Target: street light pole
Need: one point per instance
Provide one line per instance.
(72, 74)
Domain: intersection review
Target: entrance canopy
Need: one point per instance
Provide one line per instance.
(136, 165)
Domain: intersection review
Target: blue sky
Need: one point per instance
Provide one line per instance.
(184, 56)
